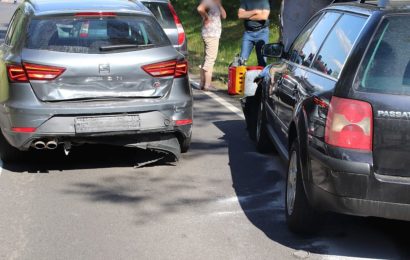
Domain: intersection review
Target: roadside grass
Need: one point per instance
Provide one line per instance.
(230, 44)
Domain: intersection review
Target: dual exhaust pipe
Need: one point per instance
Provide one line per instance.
(49, 145)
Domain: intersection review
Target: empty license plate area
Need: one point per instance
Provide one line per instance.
(102, 124)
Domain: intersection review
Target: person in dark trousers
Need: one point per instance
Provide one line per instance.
(255, 14)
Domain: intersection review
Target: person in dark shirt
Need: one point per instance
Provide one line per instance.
(255, 14)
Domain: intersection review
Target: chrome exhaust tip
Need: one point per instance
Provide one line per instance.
(39, 145)
(52, 145)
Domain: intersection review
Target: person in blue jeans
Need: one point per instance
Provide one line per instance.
(255, 14)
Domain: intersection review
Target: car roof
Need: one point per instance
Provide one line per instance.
(44, 7)
(370, 7)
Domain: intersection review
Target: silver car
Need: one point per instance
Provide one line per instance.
(76, 72)
(170, 22)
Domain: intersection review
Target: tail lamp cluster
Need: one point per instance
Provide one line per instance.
(180, 28)
(28, 71)
(176, 69)
(349, 124)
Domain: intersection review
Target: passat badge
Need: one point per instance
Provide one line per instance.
(393, 114)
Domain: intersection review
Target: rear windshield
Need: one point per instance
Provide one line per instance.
(90, 35)
(386, 66)
(163, 14)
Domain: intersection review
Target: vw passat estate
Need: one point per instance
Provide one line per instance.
(336, 106)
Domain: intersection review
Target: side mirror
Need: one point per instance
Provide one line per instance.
(273, 50)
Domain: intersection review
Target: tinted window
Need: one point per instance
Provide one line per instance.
(163, 14)
(338, 45)
(301, 39)
(386, 66)
(316, 38)
(87, 35)
(18, 32)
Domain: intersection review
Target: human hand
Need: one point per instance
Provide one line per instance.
(257, 12)
(207, 21)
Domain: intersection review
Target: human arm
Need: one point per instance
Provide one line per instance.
(260, 16)
(202, 10)
(222, 10)
(243, 14)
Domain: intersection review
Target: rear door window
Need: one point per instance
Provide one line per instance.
(12, 27)
(305, 53)
(338, 44)
(163, 14)
(386, 66)
(90, 35)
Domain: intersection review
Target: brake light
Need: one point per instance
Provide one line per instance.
(95, 14)
(41, 72)
(16, 73)
(180, 28)
(349, 124)
(174, 68)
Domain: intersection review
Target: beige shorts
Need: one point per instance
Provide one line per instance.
(211, 52)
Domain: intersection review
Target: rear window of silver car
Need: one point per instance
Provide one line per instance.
(92, 35)
(163, 14)
(386, 66)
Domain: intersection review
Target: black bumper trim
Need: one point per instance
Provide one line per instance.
(340, 165)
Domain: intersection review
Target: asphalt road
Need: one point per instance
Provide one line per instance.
(223, 200)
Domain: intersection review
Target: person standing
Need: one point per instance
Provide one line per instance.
(255, 14)
(211, 12)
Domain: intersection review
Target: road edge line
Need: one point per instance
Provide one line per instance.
(221, 101)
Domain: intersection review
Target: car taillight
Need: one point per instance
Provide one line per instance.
(180, 28)
(42, 72)
(23, 129)
(181, 69)
(349, 124)
(183, 122)
(174, 68)
(16, 73)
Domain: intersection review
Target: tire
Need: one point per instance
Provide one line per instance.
(251, 116)
(301, 218)
(8, 153)
(186, 144)
(263, 142)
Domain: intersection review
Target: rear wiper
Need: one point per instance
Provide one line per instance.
(123, 46)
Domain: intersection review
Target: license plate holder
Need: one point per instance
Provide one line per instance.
(101, 124)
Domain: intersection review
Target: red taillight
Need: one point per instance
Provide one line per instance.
(183, 122)
(42, 72)
(181, 69)
(95, 14)
(174, 68)
(23, 129)
(180, 28)
(350, 124)
(16, 73)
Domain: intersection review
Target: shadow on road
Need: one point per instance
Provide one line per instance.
(258, 181)
(86, 157)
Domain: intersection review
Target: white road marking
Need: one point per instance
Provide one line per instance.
(222, 101)
(1, 166)
(226, 104)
